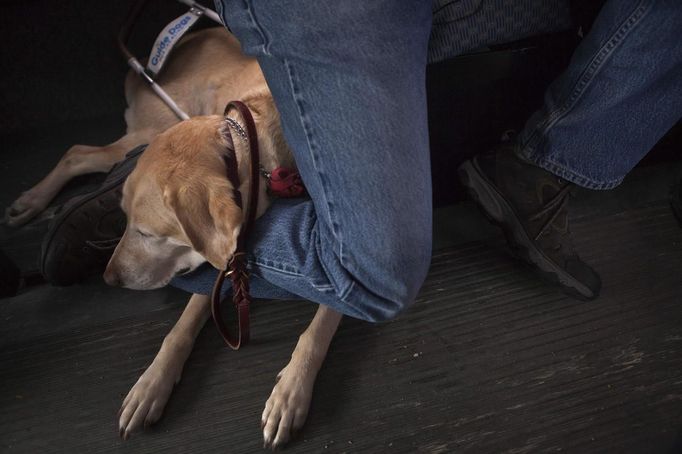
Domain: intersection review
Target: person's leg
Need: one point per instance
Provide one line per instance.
(620, 94)
(349, 81)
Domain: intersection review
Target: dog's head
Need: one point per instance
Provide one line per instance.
(179, 206)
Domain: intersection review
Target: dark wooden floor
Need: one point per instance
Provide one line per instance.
(490, 359)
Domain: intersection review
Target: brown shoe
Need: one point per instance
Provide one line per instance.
(83, 235)
(531, 205)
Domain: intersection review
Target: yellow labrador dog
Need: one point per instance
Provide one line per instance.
(180, 213)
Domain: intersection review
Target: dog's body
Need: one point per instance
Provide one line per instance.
(206, 70)
(181, 214)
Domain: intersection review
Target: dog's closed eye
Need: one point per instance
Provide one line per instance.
(144, 234)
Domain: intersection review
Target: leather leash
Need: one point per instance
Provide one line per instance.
(235, 267)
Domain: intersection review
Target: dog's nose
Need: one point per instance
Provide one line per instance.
(111, 277)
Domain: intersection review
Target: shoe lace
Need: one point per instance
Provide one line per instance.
(557, 203)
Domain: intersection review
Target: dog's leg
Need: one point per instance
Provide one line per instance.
(145, 402)
(78, 160)
(287, 408)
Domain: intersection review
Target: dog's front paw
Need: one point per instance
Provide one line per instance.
(145, 402)
(25, 208)
(287, 408)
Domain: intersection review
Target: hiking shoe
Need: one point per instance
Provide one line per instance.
(83, 235)
(531, 205)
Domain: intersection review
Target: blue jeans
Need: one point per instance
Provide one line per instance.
(621, 92)
(348, 80)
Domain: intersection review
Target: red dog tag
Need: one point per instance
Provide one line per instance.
(285, 182)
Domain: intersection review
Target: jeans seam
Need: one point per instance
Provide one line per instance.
(256, 26)
(280, 268)
(312, 147)
(583, 82)
(344, 296)
(276, 267)
(574, 177)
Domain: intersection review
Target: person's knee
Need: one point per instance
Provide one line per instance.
(390, 278)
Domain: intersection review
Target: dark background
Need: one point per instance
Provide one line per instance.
(60, 61)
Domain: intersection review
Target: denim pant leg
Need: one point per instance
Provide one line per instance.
(621, 92)
(349, 81)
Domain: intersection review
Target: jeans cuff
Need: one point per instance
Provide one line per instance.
(567, 174)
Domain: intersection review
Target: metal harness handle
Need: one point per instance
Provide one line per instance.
(168, 37)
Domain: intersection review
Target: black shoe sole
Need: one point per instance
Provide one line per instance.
(62, 217)
(500, 212)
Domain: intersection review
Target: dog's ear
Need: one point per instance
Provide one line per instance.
(266, 117)
(209, 218)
